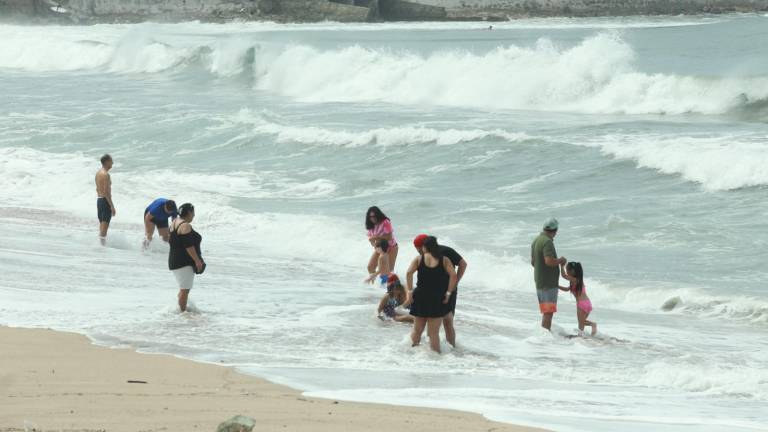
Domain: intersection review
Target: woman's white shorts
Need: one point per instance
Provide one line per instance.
(185, 277)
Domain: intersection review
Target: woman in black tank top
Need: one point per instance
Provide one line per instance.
(436, 280)
(184, 257)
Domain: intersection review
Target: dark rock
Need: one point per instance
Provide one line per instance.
(671, 303)
(237, 424)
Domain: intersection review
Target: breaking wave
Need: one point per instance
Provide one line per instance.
(597, 75)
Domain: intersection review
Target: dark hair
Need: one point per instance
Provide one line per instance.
(578, 273)
(170, 206)
(430, 244)
(186, 209)
(383, 244)
(106, 158)
(380, 217)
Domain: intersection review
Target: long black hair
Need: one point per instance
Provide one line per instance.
(578, 273)
(430, 244)
(380, 217)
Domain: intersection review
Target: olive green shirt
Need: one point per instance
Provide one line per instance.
(545, 276)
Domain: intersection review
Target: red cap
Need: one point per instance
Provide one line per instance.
(392, 278)
(418, 241)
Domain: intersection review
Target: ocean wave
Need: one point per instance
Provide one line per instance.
(597, 75)
(385, 137)
(710, 379)
(716, 162)
(27, 173)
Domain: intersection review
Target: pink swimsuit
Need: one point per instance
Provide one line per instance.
(381, 229)
(584, 305)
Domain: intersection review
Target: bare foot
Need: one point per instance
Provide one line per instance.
(594, 329)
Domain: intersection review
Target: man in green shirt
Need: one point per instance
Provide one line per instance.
(546, 272)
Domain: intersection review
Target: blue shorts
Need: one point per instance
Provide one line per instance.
(547, 300)
(160, 223)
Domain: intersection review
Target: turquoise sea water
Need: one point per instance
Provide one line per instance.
(645, 137)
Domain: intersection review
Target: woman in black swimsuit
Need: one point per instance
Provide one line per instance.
(436, 281)
(184, 258)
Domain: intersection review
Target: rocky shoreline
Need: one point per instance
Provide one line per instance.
(111, 11)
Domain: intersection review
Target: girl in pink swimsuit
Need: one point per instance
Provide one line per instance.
(380, 228)
(575, 275)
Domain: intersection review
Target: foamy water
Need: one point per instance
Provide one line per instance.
(645, 137)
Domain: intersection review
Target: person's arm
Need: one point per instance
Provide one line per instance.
(383, 303)
(550, 256)
(462, 269)
(452, 279)
(149, 217)
(532, 263)
(108, 194)
(409, 278)
(184, 229)
(386, 233)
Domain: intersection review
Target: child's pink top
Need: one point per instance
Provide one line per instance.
(381, 229)
(573, 289)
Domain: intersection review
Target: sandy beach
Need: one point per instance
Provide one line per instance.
(52, 381)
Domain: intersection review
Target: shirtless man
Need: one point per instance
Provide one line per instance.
(104, 205)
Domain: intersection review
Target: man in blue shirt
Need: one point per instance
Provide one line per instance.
(156, 215)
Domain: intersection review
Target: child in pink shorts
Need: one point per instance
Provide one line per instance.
(575, 275)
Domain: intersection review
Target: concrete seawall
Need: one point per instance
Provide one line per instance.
(95, 11)
(506, 9)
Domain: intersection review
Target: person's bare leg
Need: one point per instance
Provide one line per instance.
(546, 320)
(392, 252)
(373, 262)
(183, 297)
(450, 332)
(164, 234)
(103, 227)
(149, 231)
(404, 318)
(582, 317)
(591, 324)
(433, 332)
(418, 328)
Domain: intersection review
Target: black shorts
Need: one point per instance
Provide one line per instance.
(160, 223)
(103, 210)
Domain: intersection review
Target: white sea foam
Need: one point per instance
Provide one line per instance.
(716, 162)
(598, 75)
(385, 137)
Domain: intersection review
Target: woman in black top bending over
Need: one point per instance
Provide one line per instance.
(436, 281)
(184, 258)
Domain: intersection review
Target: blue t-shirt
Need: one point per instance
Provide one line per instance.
(157, 210)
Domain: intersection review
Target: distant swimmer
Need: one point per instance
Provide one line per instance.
(381, 273)
(574, 273)
(394, 303)
(379, 227)
(460, 266)
(184, 258)
(105, 208)
(156, 215)
(490, 27)
(545, 271)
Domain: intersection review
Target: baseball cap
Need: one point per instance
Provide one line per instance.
(551, 224)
